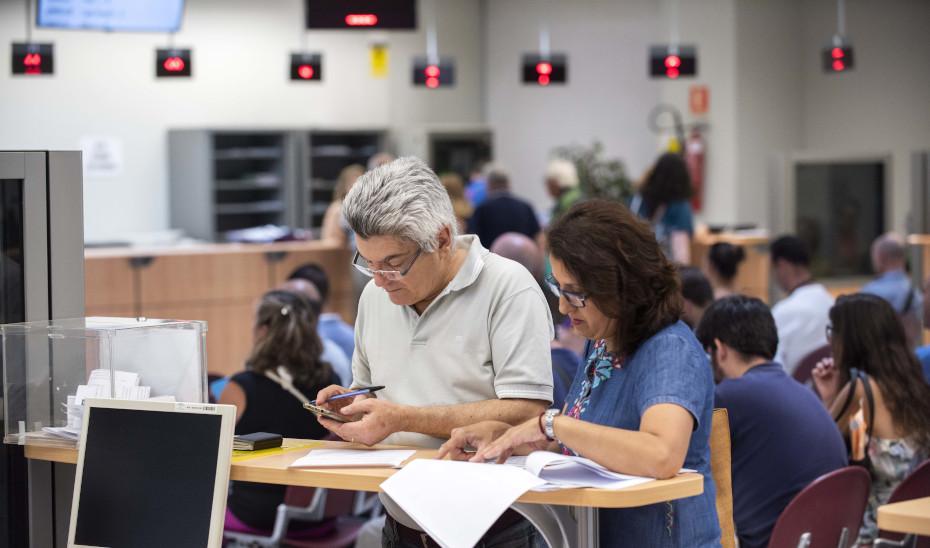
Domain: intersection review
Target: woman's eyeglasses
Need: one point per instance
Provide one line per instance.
(828, 331)
(362, 265)
(575, 299)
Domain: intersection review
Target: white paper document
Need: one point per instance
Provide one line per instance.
(353, 458)
(457, 502)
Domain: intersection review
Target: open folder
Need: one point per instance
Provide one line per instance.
(482, 492)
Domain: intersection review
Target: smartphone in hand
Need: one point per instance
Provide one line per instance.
(326, 413)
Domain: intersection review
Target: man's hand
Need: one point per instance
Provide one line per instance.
(476, 435)
(379, 419)
(323, 396)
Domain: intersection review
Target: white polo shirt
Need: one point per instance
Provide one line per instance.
(485, 336)
(801, 320)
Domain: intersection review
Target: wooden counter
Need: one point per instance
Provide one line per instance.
(217, 283)
(909, 516)
(271, 466)
(752, 277)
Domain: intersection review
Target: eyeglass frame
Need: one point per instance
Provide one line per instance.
(557, 290)
(828, 331)
(388, 274)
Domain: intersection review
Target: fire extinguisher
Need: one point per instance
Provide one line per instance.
(694, 159)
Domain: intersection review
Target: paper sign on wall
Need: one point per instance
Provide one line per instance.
(103, 157)
(698, 99)
(378, 54)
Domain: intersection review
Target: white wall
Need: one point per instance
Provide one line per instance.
(609, 94)
(883, 105)
(104, 85)
(769, 95)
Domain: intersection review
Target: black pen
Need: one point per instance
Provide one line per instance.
(356, 392)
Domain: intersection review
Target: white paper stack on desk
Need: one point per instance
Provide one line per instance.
(353, 458)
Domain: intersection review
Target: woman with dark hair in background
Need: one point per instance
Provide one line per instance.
(663, 200)
(283, 369)
(642, 402)
(724, 260)
(875, 390)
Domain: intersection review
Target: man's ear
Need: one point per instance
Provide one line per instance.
(444, 239)
(723, 351)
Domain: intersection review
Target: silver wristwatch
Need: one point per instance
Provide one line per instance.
(548, 420)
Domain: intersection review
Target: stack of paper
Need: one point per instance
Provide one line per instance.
(567, 472)
(353, 458)
(125, 386)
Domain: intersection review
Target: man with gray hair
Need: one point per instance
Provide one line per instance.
(454, 333)
(889, 258)
(562, 184)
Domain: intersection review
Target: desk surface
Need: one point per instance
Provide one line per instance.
(271, 466)
(910, 516)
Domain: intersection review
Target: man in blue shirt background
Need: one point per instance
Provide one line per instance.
(889, 260)
(782, 436)
(923, 353)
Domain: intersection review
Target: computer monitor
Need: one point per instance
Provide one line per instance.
(152, 474)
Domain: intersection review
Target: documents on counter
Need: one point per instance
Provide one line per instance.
(353, 458)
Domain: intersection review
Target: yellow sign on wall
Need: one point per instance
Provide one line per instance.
(379, 60)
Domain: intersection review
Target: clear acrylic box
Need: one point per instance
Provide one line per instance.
(50, 366)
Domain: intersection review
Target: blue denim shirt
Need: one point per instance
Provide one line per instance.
(669, 367)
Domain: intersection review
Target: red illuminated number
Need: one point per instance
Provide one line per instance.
(32, 60)
(672, 64)
(838, 65)
(543, 79)
(173, 64)
(305, 71)
(361, 20)
(544, 68)
(837, 53)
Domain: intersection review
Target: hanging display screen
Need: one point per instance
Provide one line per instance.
(361, 14)
(32, 58)
(111, 15)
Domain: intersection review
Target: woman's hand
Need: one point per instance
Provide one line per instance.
(477, 436)
(520, 439)
(826, 379)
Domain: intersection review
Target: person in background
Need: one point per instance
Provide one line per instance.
(330, 325)
(454, 333)
(643, 401)
(455, 188)
(801, 317)
(332, 353)
(874, 388)
(334, 229)
(697, 293)
(379, 159)
(923, 353)
(284, 370)
(565, 362)
(477, 188)
(889, 261)
(782, 437)
(663, 200)
(562, 184)
(723, 261)
(502, 212)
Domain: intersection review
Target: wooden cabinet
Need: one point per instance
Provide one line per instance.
(752, 278)
(219, 284)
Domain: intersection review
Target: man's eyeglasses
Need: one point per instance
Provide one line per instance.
(362, 265)
(575, 299)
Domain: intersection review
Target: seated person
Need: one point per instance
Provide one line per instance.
(697, 293)
(330, 325)
(723, 262)
(801, 317)
(923, 353)
(284, 371)
(502, 212)
(889, 261)
(642, 403)
(456, 334)
(875, 389)
(332, 354)
(782, 438)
